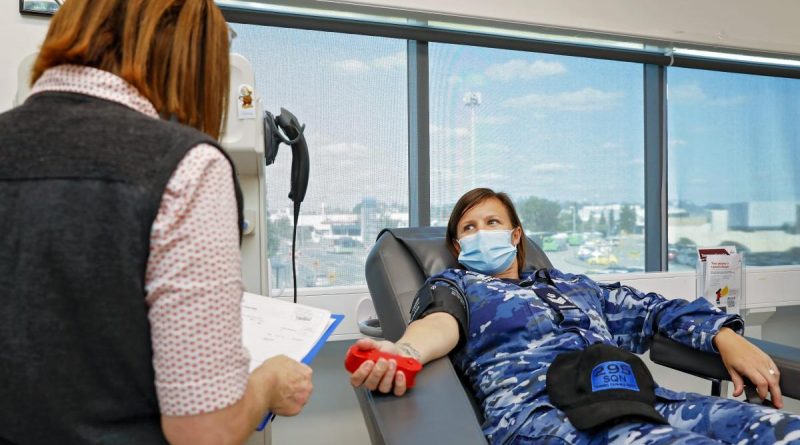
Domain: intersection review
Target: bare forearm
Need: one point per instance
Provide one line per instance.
(431, 337)
(724, 334)
(230, 425)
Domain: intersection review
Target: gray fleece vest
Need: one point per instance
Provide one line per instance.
(81, 181)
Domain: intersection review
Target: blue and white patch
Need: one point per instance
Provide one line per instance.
(613, 375)
(555, 299)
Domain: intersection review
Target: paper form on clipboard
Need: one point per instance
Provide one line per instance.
(273, 327)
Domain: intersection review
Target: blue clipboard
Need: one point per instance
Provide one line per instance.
(337, 318)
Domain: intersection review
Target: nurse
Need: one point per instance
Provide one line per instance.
(120, 275)
(505, 326)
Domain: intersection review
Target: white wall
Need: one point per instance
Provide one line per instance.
(19, 36)
(766, 25)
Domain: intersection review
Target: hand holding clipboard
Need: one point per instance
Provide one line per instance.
(335, 320)
(272, 327)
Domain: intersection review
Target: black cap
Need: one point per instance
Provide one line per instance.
(602, 384)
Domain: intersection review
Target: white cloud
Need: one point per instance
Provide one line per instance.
(610, 145)
(522, 69)
(677, 142)
(686, 92)
(693, 93)
(351, 66)
(637, 161)
(396, 60)
(384, 63)
(587, 99)
(552, 167)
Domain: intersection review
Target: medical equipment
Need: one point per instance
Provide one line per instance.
(441, 409)
(287, 122)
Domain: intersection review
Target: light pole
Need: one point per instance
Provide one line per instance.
(472, 100)
(573, 217)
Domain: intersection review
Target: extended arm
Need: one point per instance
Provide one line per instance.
(633, 317)
(425, 339)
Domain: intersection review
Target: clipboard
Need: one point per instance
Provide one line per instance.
(334, 322)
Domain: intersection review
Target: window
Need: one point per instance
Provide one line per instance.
(351, 92)
(734, 166)
(564, 136)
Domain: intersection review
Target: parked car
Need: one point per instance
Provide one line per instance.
(584, 252)
(575, 239)
(553, 244)
(602, 259)
(687, 254)
(345, 245)
(672, 254)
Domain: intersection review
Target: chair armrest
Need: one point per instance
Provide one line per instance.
(672, 354)
(436, 411)
(787, 359)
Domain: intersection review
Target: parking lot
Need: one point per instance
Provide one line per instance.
(621, 254)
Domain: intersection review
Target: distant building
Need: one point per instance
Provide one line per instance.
(762, 215)
(363, 225)
(369, 220)
(329, 226)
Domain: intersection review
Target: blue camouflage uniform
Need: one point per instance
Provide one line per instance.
(516, 329)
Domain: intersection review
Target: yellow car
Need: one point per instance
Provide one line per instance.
(602, 259)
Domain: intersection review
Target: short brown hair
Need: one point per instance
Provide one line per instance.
(470, 200)
(175, 52)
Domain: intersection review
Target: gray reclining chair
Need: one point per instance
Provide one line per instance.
(440, 410)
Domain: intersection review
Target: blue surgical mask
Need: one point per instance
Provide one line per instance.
(488, 251)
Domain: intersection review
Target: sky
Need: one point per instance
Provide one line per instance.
(563, 128)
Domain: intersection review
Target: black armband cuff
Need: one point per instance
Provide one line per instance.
(442, 296)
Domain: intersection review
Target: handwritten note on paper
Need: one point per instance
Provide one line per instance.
(272, 327)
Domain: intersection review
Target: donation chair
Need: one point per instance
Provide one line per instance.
(440, 409)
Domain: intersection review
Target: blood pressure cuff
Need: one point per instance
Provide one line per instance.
(442, 295)
(600, 385)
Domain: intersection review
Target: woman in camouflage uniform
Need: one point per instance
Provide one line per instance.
(504, 327)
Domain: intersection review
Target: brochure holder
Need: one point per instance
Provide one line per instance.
(721, 278)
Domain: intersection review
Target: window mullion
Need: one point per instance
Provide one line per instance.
(655, 164)
(418, 135)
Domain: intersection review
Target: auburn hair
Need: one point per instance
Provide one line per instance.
(470, 200)
(175, 52)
